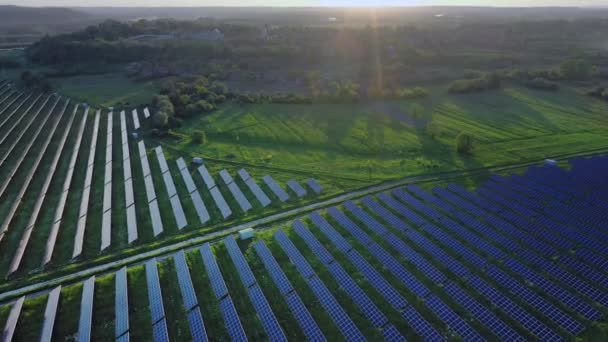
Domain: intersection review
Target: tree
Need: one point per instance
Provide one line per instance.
(578, 69)
(416, 110)
(199, 137)
(465, 143)
(160, 119)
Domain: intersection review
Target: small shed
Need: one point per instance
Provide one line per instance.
(197, 160)
(551, 162)
(246, 233)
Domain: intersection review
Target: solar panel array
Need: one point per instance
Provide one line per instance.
(176, 204)
(195, 319)
(199, 205)
(33, 218)
(314, 185)
(121, 304)
(235, 191)
(256, 296)
(157, 224)
(128, 179)
(86, 192)
(217, 196)
(67, 184)
(146, 113)
(136, 124)
(106, 219)
(11, 321)
(255, 188)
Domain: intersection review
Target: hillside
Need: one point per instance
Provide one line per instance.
(17, 17)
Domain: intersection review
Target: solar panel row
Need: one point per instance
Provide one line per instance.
(86, 310)
(106, 219)
(275, 188)
(199, 206)
(195, 319)
(50, 312)
(235, 191)
(314, 185)
(121, 303)
(11, 321)
(157, 224)
(128, 181)
(217, 196)
(136, 124)
(84, 201)
(296, 188)
(255, 188)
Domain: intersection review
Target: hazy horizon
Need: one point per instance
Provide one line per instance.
(305, 3)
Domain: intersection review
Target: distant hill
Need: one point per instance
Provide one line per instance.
(24, 17)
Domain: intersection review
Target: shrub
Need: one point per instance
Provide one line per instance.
(577, 69)
(199, 137)
(487, 82)
(465, 143)
(542, 84)
(411, 93)
(160, 119)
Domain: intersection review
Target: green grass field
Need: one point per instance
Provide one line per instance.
(372, 142)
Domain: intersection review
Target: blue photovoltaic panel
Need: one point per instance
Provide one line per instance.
(202, 170)
(213, 271)
(267, 318)
(169, 185)
(329, 231)
(136, 124)
(178, 212)
(239, 261)
(257, 192)
(199, 206)
(197, 328)
(161, 159)
(390, 333)
(121, 303)
(294, 256)
(244, 174)
(450, 318)
(240, 197)
(309, 327)
(314, 186)
(273, 268)
(181, 163)
(336, 312)
(231, 320)
(226, 177)
(296, 187)
(146, 113)
(276, 189)
(190, 186)
(421, 325)
(159, 331)
(184, 280)
(483, 315)
(155, 297)
(145, 165)
(157, 224)
(312, 242)
(86, 310)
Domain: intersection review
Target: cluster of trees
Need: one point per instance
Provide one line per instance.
(477, 84)
(541, 84)
(186, 98)
(599, 92)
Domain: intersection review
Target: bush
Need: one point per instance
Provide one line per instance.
(465, 143)
(199, 137)
(411, 93)
(577, 69)
(542, 84)
(160, 119)
(487, 82)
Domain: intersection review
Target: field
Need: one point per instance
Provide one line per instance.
(375, 142)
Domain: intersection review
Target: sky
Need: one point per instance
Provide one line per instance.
(174, 3)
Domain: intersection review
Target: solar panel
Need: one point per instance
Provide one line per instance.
(452, 320)
(188, 181)
(184, 280)
(146, 113)
(199, 206)
(127, 169)
(86, 310)
(220, 202)
(149, 184)
(226, 177)
(121, 303)
(255, 188)
(169, 185)
(356, 294)
(231, 320)
(50, 312)
(314, 186)
(136, 124)
(202, 170)
(131, 224)
(304, 318)
(141, 147)
(296, 187)
(106, 229)
(239, 261)
(155, 297)
(157, 224)
(129, 193)
(161, 159)
(244, 174)
(278, 277)
(107, 197)
(213, 272)
(240, 197)
(197, 328)
(390, 333)
(276, 189)
(294, 256)
(269, 321)
(145, 166)
(181, 164)
(11, 321)
(159, 331)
